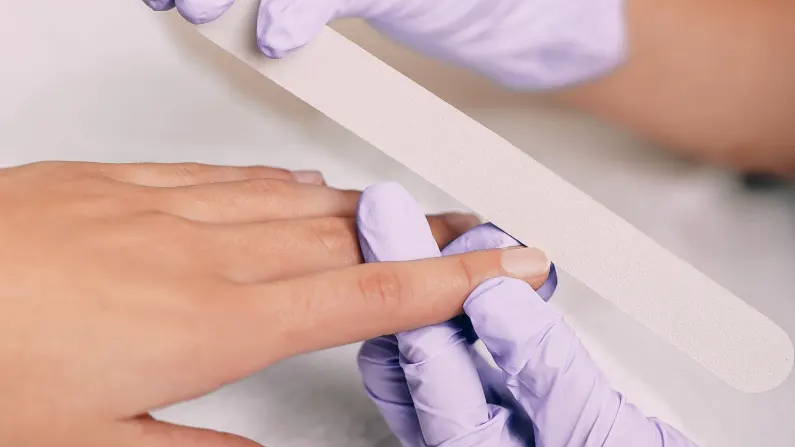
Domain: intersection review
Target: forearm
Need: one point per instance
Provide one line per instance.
(712, 79)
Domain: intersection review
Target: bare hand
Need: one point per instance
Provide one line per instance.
(124, 288)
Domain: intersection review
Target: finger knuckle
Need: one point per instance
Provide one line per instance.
(265, 186)
(385, 288)
(104, 204)
(191, 171)
(336, 236)
(174, 239)
(465, 271)
(168, 225)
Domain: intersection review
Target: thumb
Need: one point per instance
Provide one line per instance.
(547, 370)
(552, 377)
(146, 431)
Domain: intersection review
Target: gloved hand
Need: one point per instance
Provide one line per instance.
(527, 44)
(434, 390)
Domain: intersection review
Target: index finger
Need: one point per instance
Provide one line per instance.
(442, 393)
(272, 321)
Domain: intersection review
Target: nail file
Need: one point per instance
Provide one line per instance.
(486, 173)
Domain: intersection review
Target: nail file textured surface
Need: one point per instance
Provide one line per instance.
(488, 174)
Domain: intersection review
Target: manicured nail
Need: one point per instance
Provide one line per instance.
(460, 223)
(526, 263)
(309, 177)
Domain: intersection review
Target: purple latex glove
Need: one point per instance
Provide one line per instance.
(433, 390)
(528, 44)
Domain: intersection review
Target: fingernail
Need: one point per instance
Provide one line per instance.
(460, 222)
(526, 263)
(309, 177)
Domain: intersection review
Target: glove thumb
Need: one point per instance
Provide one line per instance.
(512, 320)
(547, 370)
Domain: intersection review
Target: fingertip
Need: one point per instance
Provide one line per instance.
(549, 286)
(489, 236)
(198, 12)
(388, 190)
(284, 26)
(271, 48)
(529, 264)
(392, 226)
(159, 5)
(309, 177)
(383, 203)
(277, 34)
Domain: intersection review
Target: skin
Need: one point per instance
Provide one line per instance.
(712, 80)
(709, 79)
(116, 280)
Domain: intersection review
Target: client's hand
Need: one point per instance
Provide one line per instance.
(124, 288)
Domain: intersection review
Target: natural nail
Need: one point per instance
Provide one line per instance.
(530, 264)
(309, 177)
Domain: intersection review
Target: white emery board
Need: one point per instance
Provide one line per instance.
(492, 177)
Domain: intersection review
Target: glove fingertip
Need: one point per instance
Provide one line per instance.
(199, 12)
(392, 225)
(159, 5)
(284, 26)
(550, 285)
(379, 351)
(271, 48)
(279, 33)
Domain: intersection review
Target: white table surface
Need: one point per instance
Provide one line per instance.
(111, 81)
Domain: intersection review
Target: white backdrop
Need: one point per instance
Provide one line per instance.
(111, 81)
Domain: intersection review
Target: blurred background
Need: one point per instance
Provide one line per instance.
(112, 81)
